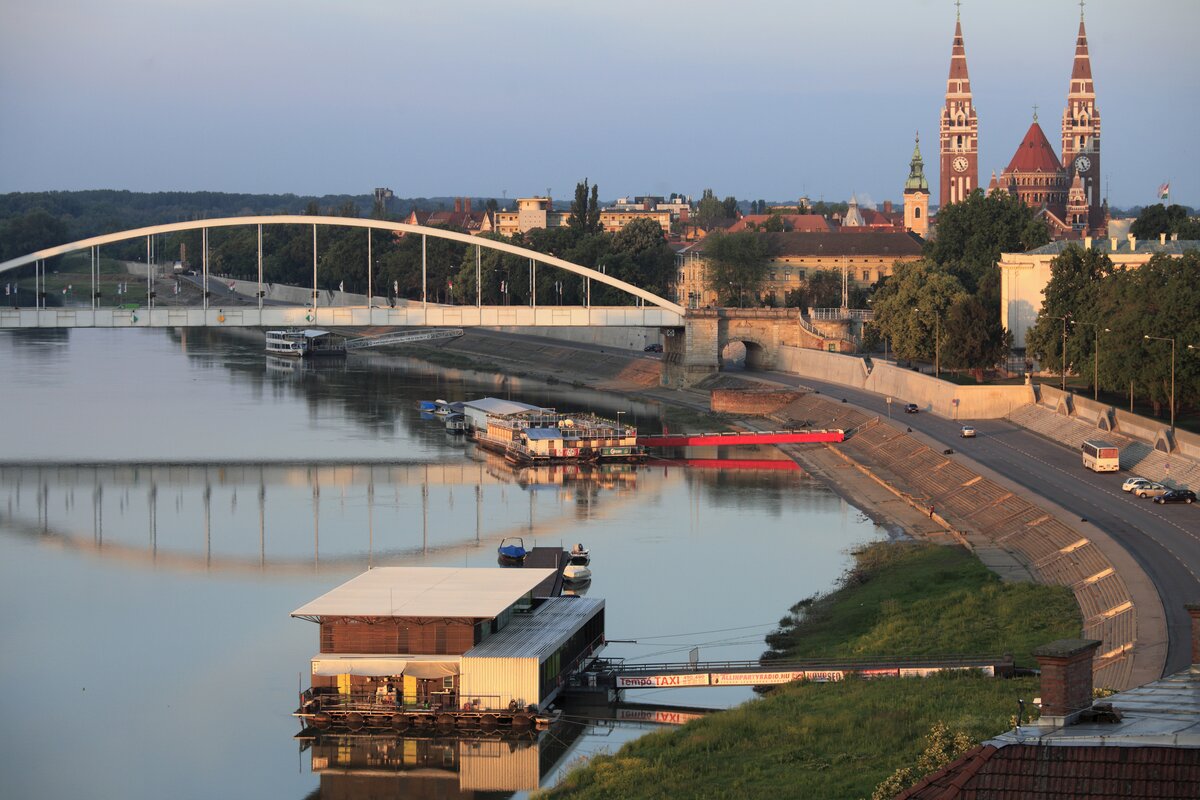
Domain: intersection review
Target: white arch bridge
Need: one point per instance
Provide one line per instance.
(651, 310)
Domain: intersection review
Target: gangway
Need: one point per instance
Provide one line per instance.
(610, 674)
(403, 337)
(729, 438)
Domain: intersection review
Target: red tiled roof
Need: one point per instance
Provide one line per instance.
(1043, 772)
(1035, 154)
(811, 223)
(891, 244)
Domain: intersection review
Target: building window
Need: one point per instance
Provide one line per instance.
(917, 213)
(866, 276)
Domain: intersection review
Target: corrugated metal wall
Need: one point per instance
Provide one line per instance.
(498, 766)
(497, 681)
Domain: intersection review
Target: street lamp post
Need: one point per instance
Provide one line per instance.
(1096, 359)
(1064, 319)
(1170, 339)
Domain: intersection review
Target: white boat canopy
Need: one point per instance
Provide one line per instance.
(456, 592)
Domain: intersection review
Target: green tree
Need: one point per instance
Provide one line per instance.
(908, 306)
(972, 338)
(730, 206)
(578, 219)
(1073, 291)
(593, 211)
(709, 211)
(972, 234)
(736, 265)
(30, 232)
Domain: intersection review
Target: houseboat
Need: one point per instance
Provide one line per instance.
(544, 436)
(306, 343)
(424, 647)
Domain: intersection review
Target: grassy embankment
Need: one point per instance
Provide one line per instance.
(843, 739)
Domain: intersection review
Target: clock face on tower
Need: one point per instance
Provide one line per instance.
(960, 164)
(1083, 164)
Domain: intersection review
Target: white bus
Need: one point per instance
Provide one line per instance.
(1101, 456)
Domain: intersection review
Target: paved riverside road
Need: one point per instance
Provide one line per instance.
(1163, 539)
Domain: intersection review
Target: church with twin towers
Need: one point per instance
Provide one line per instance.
(1064, 186)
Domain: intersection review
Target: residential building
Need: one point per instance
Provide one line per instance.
(862, 257)
(539, 212)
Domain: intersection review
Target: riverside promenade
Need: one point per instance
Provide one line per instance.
(948, 498)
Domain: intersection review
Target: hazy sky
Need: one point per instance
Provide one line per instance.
(754, 99)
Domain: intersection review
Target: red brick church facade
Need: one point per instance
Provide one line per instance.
(1063, 186)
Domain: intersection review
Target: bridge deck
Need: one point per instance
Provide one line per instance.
(741, 438)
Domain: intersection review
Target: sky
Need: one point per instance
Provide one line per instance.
(770, 100)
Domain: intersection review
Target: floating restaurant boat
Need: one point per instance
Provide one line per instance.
(306, 343)
(543, 436)
(434, 648)
(511, 550)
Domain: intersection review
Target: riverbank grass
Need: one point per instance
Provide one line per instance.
(843, 739)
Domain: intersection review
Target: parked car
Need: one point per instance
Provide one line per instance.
(1177, 496)
(967, 432)
(652, 348)
(1151, 490)
(911, 408)
(1133, 483)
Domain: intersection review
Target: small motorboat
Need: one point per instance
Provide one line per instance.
(576, 588)
(512, 551)
(456, 423)
(579, 551)
(576, 570)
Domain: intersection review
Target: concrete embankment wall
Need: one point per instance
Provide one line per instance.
(1135, 426)
(905, 385)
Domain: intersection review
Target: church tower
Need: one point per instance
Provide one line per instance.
(916, 195)
(1081, 128)
(959, 168)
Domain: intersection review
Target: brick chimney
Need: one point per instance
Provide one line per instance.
(1087, 242)
(1114, 244)
(1162, 238)
(1066, 667)
(1193, 610)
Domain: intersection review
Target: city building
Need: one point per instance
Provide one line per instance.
(462, 217)
(1024, 276)
(800, 223)
(539, 212)
(861, 257)
(1063, 186)
(860, 219)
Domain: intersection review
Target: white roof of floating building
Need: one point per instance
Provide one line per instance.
(479, 593)
(499, 406)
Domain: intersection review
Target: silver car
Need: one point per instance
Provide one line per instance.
(1151, 490)
(1132, 483)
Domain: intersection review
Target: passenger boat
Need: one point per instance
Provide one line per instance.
(456, 424)
(306, 343)
(512, 551)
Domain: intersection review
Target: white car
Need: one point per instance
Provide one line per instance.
(1133, 483)
(967, 432)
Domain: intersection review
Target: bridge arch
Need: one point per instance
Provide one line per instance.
(348, 222)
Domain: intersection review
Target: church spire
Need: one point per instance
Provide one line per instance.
(958, 164)
(916, 171)
(1081, 124)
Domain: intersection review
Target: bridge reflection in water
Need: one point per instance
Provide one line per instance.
(187, 517)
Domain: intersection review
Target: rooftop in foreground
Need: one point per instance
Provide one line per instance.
(478, 593)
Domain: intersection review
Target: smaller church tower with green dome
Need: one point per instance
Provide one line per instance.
(916, 195)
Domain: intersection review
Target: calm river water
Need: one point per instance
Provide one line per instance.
(166, 499)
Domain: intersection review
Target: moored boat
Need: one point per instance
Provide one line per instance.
(511, 551)
(306, 343)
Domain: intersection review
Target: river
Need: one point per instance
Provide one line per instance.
(167, 498)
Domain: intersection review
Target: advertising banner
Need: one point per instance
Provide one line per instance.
(652, 681)
(754, 678)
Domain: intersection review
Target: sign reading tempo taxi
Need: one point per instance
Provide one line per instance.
(654, 681)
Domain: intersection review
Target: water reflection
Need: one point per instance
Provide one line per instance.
(436, 766)
(341, 518)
